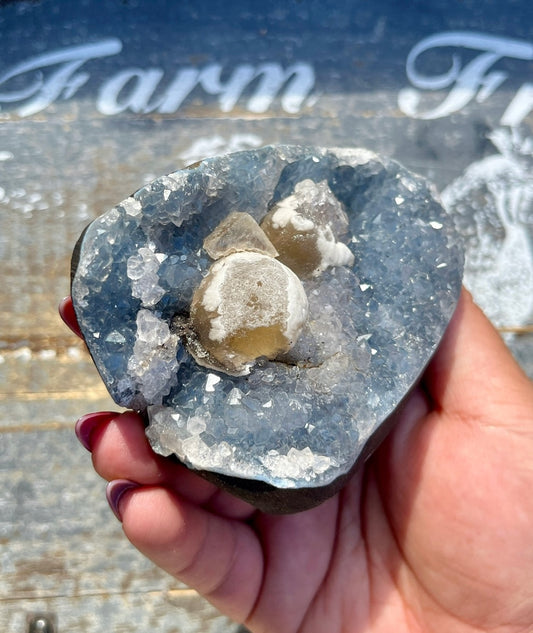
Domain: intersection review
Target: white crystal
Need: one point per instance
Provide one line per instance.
(132, 207)
(212, 380)
(142, 269)
(304, 228)
(234, 397)
(196, 425)
(153, 364)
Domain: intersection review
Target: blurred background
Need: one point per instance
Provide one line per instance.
(98, 98)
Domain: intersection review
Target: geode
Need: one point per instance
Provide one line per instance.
(276, 397)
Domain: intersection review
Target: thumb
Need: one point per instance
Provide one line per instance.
(473, 373)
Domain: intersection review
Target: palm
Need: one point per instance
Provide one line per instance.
(432, 535)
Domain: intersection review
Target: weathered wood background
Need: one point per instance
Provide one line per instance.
(98, 98)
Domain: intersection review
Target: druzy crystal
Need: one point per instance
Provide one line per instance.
(380, 266)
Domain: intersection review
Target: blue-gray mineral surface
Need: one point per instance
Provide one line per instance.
(268, 310)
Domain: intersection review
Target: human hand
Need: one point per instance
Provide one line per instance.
(432, 534)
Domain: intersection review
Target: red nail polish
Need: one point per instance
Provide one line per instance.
(114, 491)
(87, 424)
(66, 311)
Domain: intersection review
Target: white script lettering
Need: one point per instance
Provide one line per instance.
(465, 82)
(136, 89)
(65, 81)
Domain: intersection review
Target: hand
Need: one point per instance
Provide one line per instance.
(433, 534)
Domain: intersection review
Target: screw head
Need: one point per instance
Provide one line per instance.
(41, 623)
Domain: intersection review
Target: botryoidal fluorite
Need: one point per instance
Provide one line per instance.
(379, 266)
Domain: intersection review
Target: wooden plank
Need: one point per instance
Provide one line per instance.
(62, 551)
(172, 611)
(48, 388)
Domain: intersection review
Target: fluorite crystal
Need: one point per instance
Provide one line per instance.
(380, 267)
(248, 306)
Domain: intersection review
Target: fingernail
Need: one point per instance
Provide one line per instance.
(87, 424)
(114, 492)
(66, 312)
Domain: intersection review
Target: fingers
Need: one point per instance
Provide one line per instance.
(220, 558)
(120, 450)
(66, 311)
(208, 548)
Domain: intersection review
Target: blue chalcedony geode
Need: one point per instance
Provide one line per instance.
(301, 421)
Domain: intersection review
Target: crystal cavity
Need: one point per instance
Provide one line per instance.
(361, 290)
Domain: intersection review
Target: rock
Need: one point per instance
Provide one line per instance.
(301, 227)
(237, 233)
(382, 281)
(248, 306)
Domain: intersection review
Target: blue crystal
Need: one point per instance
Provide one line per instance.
(297, 421)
